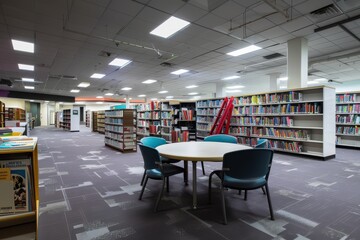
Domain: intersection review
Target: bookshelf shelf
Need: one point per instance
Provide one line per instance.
(26, 158)
(295, 121)
(88, 118)
(101, 122)
(120, 129)
(71, 119)
(347, 119)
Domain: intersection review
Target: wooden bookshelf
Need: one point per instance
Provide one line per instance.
(2, 114)
(101, 122)
(58, 119)
(120, 129)
(348, 119)
(29, 217)
(88, 118)
(295, 121)
(94, 121)
(15, 114)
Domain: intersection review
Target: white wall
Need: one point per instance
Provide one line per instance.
(13, 102)
(44, 114)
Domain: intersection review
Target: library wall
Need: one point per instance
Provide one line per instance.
(13, 102)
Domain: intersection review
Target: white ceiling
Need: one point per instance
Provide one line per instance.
(69, 36)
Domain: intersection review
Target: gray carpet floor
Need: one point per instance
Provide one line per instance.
(89, 191)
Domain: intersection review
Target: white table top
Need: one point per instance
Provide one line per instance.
(198, 151)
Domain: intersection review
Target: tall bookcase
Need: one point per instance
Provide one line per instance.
(21, 157)
(2, 114)
(71, 119)
(120, 129)
(101, 121)
(206, 111)
(348, 119)
(148, 119)
(88, 118)
(185, 118)
(296, 121)
(15, 114)
(166, 118)
(94, 121)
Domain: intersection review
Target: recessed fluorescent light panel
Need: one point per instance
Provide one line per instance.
(169, 97)
(232, 91)
(99, 97)
(97, 75)
(27, 79)
(283, 78)
(99, 102)
(163, 91)
(109, 94)
(29, 87)
(235, 87)
(22, 46)
(126, 88)
(26, 67)
(84, 84)
(119, 62)
(192, 86)
(149, 81)
(230, 78)
(193, 93)
(142, 95)
(75, 90)
(169, 27)
(179, 72)
(244, 50)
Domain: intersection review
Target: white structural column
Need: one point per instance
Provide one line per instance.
(274, 82)
(297, 63)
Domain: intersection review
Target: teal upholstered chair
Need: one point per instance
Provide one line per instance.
(157, 170)
(261, 143)
(245, 170)
(154, 142)
(219, 138)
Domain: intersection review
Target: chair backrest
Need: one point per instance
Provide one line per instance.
(152, 141)
(248, 164)
(261, 143)
(150, 156)
(221, 138)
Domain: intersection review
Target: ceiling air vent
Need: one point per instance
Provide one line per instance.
(324, 13)
(272, 56)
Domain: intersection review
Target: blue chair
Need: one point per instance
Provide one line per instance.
(154, 142)
(219, 138)
(245, 170)
(261, 143)
(157, 170)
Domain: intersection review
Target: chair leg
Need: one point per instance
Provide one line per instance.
(209, 191)
(263, 190)
(186, 172)
(160, 195)
(269, 202)
(143, 178)
(167, 184)
(203, 168)
(223, 204)
(143, 187)
(245, 197)
(239, 192)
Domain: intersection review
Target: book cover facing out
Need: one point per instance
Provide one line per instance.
(19, 178)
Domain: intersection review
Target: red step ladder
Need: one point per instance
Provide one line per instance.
(223, 117)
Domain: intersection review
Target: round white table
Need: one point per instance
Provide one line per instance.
(198, 151)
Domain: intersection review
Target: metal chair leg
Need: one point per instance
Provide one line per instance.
(186, 172)
(143, 187)
(245, 197)
(239, 192)
(143, 178)
(203, 168)
(263, 190)
(160, 195)
(269, 202)
(223, 204)
(167, 184)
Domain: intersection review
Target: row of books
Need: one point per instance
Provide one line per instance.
(149, 115)
(121, 145)
(114, 120)
(179, 136)
(308, 108)
(186, 114)
(269, 98)
(261, 120)
(240, 130)
(350, 108)
(143, 131)
(344, 98)
(143, 123)
(120, 137)
(16, 186)
(153, 105)
(154, 129)
(285, 145)
(281, 133)
(166, 115)
(213, 111)
(348, 130)
(119, 129)
(166, 122)
(205, 119)
(351, 119)
(210, 103)
(200, 126)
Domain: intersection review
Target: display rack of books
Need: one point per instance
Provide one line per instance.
(348, 119)
(120, 129)
(206, 111)
(88, 118)
(185, 119)
(94, 121)
(166, 116)
(71, 119)
(295, 121)
(15, 114)
(2, 114)
(101, 121)
(148, 119)
(19, 200)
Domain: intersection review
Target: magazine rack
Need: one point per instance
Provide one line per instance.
(27, 150)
